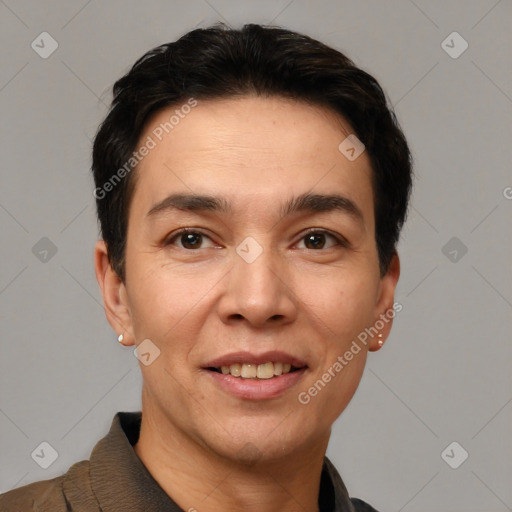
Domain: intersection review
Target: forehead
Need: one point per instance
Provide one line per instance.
(247, 149)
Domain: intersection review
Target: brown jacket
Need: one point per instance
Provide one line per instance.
(116, 480)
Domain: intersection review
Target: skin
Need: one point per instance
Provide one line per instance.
(197, 304)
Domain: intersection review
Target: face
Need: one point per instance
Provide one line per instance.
(277, 271)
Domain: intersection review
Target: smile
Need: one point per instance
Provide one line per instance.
(252, 376)
(256, 371)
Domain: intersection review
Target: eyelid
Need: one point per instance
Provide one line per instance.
(176, 234)
(340, 240)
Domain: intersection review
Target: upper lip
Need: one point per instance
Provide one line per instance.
(273, 356)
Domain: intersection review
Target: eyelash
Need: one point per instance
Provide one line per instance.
(340, 241)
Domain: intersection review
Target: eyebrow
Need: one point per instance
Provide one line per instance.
(190, 202)
(318, 203)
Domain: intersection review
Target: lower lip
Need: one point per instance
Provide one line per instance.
(261, 389)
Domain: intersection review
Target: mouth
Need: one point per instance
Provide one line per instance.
(245, 365)
(256, 376)
(253, 371)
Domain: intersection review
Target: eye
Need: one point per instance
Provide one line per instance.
(318, 239)
(188, 239)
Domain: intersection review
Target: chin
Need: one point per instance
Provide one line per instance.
(263, 440)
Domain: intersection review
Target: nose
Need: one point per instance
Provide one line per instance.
(259, 293)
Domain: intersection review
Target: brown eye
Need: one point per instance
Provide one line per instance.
(320, 240)
(191, 240)
(315, 240)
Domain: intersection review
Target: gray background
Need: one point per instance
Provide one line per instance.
(444, 374)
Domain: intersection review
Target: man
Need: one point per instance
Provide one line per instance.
(251, 185)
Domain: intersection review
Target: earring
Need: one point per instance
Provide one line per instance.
(120, 338)
(381, 341)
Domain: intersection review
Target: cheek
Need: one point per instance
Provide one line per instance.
(159, 300)
(328, 392)
(341, 389)
(165, 309)
(344, 305)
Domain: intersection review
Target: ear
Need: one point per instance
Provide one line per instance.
(384, 310)
(115, 297)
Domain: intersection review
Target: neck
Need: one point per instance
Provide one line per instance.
(197, 479)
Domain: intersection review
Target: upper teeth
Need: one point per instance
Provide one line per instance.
(260, 371)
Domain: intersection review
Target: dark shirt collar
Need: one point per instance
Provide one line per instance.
(121, 482)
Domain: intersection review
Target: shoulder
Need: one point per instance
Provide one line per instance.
(55, 495)
(34, 496)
